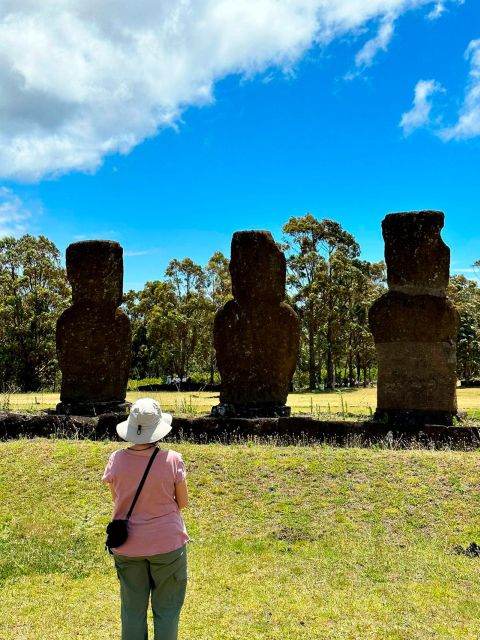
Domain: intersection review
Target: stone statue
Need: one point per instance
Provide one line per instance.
(256, 335)
(414, 325)
(94, 335)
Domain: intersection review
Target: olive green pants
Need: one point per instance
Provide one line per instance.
(163, 578)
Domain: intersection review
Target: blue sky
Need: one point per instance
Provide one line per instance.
(311, 112)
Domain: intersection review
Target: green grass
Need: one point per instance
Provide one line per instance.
(344, 404)
(289, 543)
(134, 384)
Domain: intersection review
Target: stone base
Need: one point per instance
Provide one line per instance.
(294, 430)
(91, 408)
(417, 377)
(414, 419)
(246, 411)
(49, 424)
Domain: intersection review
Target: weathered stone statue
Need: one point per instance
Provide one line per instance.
(414, 325)
(94, 335)
(256, 334)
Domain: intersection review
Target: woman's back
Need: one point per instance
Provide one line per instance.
(155, 525)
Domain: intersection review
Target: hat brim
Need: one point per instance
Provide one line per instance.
(128, 431)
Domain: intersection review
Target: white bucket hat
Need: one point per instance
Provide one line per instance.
(146, 422)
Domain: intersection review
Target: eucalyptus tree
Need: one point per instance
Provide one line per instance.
(167, 319)
(465, 294)
(191, 314)
(218, 291)
(318, 252)
(33, 292)
(363, 283)
(151, 313)
(172, 319)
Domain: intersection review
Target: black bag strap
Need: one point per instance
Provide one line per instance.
(142, 481)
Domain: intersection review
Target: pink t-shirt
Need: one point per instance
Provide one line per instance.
(155, 525)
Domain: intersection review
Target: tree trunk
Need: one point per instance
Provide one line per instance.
(212, 366)
(312, 383)
(351, 374)
(330, 365)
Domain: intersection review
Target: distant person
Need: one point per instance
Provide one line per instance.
(152, 563)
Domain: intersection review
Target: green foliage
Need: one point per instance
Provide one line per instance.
(172, 319)
(33, 293)
(465, 294)
(332, 289)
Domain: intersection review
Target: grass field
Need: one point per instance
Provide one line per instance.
(361, 402)
(289, 543)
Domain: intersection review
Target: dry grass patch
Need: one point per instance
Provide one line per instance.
(361, 402)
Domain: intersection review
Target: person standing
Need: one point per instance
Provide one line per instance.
(152, 563)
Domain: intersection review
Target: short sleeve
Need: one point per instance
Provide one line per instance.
(180, 470)
(107, 474)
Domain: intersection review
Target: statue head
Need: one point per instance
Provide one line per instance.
(257, 268)
(95, 271)
(417, 258)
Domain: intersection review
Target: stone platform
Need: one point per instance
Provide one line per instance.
(293, 430)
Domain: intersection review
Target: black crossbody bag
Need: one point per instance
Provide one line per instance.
(117, 530)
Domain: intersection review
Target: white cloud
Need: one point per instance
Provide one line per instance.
(419, 114)
(380, 42)
(468, 123)
(13, 214)
(80, 79)
(135, 254)
(437, 11)
(440, 8)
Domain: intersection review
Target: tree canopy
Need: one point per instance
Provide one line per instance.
(33, 292)
(331, 289)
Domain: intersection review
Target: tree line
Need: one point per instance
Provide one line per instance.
(328, 284)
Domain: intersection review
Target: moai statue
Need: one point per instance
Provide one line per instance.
(256, 335)
(94, 335)
(414, 325)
